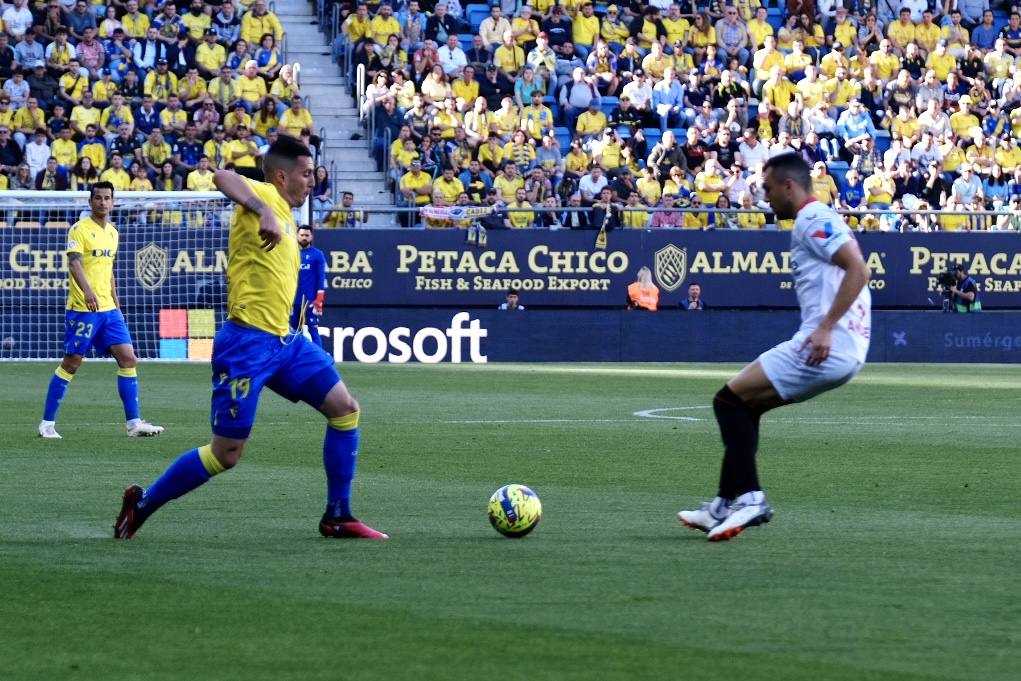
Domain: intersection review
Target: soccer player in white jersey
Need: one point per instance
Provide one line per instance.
(828, 350)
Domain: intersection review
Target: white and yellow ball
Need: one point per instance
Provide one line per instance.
(514, 510)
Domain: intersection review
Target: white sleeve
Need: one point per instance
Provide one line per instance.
(824, 234)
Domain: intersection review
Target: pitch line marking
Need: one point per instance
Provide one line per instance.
(656, 413)
(485, 422)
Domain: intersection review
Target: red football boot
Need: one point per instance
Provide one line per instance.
(348, 528)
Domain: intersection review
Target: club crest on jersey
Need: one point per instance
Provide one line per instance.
(671, 266)
(152, 264)
(826, 232)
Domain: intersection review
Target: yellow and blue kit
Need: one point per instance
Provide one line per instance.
(256, 347)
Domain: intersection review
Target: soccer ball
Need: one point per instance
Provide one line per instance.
(514, 510)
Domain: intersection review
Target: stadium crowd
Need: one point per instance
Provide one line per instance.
(148, 95)
(633, 106)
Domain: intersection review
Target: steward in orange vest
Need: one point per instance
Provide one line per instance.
(643, 294)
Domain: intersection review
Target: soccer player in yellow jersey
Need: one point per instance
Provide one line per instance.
(93, 318)
(256, 348)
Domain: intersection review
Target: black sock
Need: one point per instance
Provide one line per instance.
(739, 428)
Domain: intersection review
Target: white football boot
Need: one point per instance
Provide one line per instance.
(140, 428)
(48, 430)
(748, 510)
(711, 514)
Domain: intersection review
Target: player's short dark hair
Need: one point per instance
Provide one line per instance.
(284, 153)
(793, 166)
(306, 228)
(100, 185)
(512, 291)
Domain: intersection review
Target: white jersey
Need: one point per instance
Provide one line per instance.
(818, 234)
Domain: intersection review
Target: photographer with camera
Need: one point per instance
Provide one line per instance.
(961, 290)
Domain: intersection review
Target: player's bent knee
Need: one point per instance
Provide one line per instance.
(339, 402)
(227, 451)
(71, 363)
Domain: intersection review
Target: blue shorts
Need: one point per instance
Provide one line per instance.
(245, 360)
(84, 331)
(311, 318)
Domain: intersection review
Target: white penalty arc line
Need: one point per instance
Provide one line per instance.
(657, 413)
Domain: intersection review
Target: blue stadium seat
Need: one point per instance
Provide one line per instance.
(838, 169)
(652, 136)
(609, 104)
(882, 141)
(563, 138)
(466, 40)
(475, 14)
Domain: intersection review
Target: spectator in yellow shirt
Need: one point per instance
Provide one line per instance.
(252, 87)
(384, 25)
(901, 32)
(509, 57)
(196, 21)
(518, 215)
(243, 152)
(201, 179)
(591, 122)
(116, 175)
(585, 30)
(65, 150)
(258, 21)
(210, 56)
(295, 118)
(525, 29)
(416, 186)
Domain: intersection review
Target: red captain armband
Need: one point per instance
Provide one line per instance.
(320, 298)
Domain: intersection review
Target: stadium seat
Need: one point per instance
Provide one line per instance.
(563, 138)
(652, 136)
(475, 14)
(609, 104)
(882, 141)
(58, 224)
(27, 224)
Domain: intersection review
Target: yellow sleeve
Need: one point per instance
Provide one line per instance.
(76, 240)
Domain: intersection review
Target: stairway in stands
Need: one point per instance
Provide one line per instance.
(334, 112)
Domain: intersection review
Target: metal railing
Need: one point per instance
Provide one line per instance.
(397, 212)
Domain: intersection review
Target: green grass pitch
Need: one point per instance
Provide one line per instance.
(894, 553)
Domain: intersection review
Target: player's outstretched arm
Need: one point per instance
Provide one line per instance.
(237, 189)
(856, 275)
(74, 265)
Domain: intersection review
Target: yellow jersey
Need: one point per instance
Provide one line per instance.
(135, 27)
(634, 217)
(261, 284)
(758, 32)
(450, 190)
(252, 89)
(118, 178)
(584, 29)
(292, 124)
(521, 219)
(65, 151)
(678, 29)
(98, 247)
(508, 188)
(200, 182)
(211, 58)
(941, 65)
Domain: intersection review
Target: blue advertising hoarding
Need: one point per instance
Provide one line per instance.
(385, 268)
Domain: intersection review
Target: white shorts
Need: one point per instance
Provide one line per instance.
(796, 381)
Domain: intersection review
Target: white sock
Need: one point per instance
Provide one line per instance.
(133, 422)
(754, 498)
(719, 507)
(43, 424)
